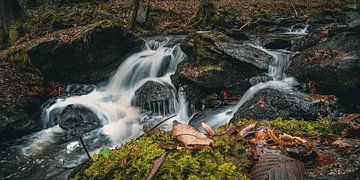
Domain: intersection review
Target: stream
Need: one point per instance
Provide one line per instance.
(53, 152)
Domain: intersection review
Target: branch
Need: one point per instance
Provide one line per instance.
(250, 22)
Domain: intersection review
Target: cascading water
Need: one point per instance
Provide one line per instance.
(50, 152)
(277, 69)
(112, 103)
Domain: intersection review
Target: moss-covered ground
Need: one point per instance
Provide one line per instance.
(227, 158)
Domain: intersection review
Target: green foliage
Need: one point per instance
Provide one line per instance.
(294, 126)
(227, 159)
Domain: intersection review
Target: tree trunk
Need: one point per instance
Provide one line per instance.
(10, 12)
(140, 13)
(205, 15)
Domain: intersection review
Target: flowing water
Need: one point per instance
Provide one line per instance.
(49, 154)
(52, 153)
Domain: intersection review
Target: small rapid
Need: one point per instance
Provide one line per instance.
(53, 152)
(112, 102)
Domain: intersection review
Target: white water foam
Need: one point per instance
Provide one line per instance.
(112, 102)
(277, 70)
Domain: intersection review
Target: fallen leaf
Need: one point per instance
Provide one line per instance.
(105, 153)
(247, 129)
(208, 129)
(272, 136)
(341, 143)
(347, 118)
(157, 164)
(324, 160)
(188, 135)
(278, 167)
(123, 161)
(352, 131)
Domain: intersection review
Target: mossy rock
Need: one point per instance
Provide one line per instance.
(87, 56)
(227, 159)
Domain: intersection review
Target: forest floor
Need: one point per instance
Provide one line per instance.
(165, 17)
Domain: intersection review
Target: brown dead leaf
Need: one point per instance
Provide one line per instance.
(188, 135)
(324, 160)
(247, 129)
(347, 118)
(208, 129)
(156, 166)
(123, 162)
(272, 136)
(341, 143)
(352, 131)
(273, 166)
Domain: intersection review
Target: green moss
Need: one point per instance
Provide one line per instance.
(227, 159)
(295, 127)
(208, 68)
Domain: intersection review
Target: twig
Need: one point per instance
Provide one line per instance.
(87, 152)
(250, 22)
(156, 166)
(157, 125)
(292, 5)
(166, 119)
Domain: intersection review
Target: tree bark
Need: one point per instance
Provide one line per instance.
(10, 12)
(205, 15)
(140, 13)
(134, 14)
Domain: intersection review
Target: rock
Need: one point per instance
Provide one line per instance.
(21, 119)
(155, 97)
(22, 92)
(332, 66)
(277, 43)
(246, 53)
(271, 104)
(259, 79)
(217, 62)
(78, 120)
(87, 57)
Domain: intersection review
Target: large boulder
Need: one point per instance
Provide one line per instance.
(78, 120)
(331, 66)
(86, 56)
(156, 97)
(217, 62)
(22, 92)
(271, 104)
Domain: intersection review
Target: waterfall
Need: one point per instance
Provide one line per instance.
(112, 102)
(277, 69)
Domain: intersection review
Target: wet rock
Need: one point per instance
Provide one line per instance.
(78, 120)
(246, 53)
(88, 57)
(216, 61)
(21, 94)
(79, 89)
(156, 97)
(271, 104)
(21, 118)
(278, 44)
(332, 66)
(259, 79)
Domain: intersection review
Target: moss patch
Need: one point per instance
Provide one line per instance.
(227, 158)
(295, 127)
